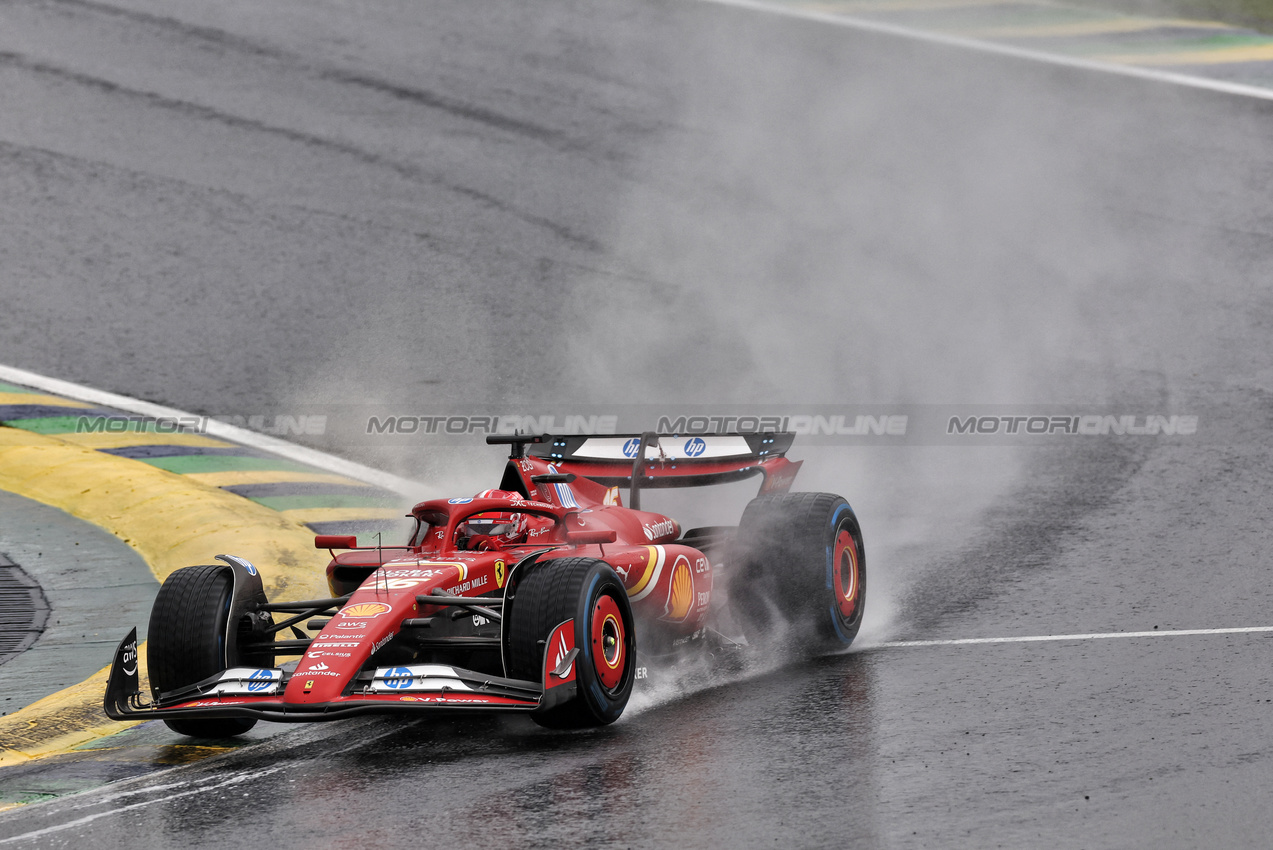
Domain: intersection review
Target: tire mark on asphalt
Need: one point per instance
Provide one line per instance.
(195, 110)
(1027, 530)
(422, 97)
(429, 99)
(34, 156)
(207, 113)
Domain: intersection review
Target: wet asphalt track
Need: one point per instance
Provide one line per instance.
(237, 207)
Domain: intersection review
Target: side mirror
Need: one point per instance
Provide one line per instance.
(335, 541)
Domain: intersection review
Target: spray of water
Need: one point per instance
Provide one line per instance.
(792, 214)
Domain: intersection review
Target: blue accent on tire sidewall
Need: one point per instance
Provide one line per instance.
(602, 702)
(835, 624)
(835, 616)
(835, 523)
(583, 638)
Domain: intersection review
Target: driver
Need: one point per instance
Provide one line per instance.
(493, 530)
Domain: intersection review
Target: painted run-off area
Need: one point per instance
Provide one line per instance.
(144, 501)
(1180, 36)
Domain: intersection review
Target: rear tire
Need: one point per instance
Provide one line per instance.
(799, 567)
(186, 642)
(592, 594)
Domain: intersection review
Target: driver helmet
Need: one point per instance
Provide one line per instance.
(494, 529)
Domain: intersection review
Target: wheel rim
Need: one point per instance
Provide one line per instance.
(609, 642)
(845, 566)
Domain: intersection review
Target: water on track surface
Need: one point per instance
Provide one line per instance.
(231, 208)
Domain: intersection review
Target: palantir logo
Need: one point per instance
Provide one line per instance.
(398, 678)
(695, 447)
(631, 447)
(260, 680)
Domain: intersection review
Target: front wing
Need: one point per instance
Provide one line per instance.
(257, 693)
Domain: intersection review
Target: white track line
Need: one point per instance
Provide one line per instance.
(1001, 49)
(904, 644)
(233, 779)
(251, 439)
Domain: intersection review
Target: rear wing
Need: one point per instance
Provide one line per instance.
(664, 460)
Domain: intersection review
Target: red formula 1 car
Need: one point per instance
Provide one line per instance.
(547, 595)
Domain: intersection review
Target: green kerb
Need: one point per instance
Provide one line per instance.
(187, 464)
(49, 424)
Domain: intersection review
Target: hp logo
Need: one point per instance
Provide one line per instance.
(398, 678)
(260, 680)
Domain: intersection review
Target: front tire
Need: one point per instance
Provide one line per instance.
(799, 569)
(186, 642)
(591, 593)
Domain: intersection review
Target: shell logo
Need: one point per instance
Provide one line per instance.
(365, 609)
(681, 596)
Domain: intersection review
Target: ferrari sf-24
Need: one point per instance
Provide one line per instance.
(547, 595)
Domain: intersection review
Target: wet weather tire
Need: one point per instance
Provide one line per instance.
(186, 642)
(591, 593)
(799, 572)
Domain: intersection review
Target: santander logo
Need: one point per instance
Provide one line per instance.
(659, 529)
